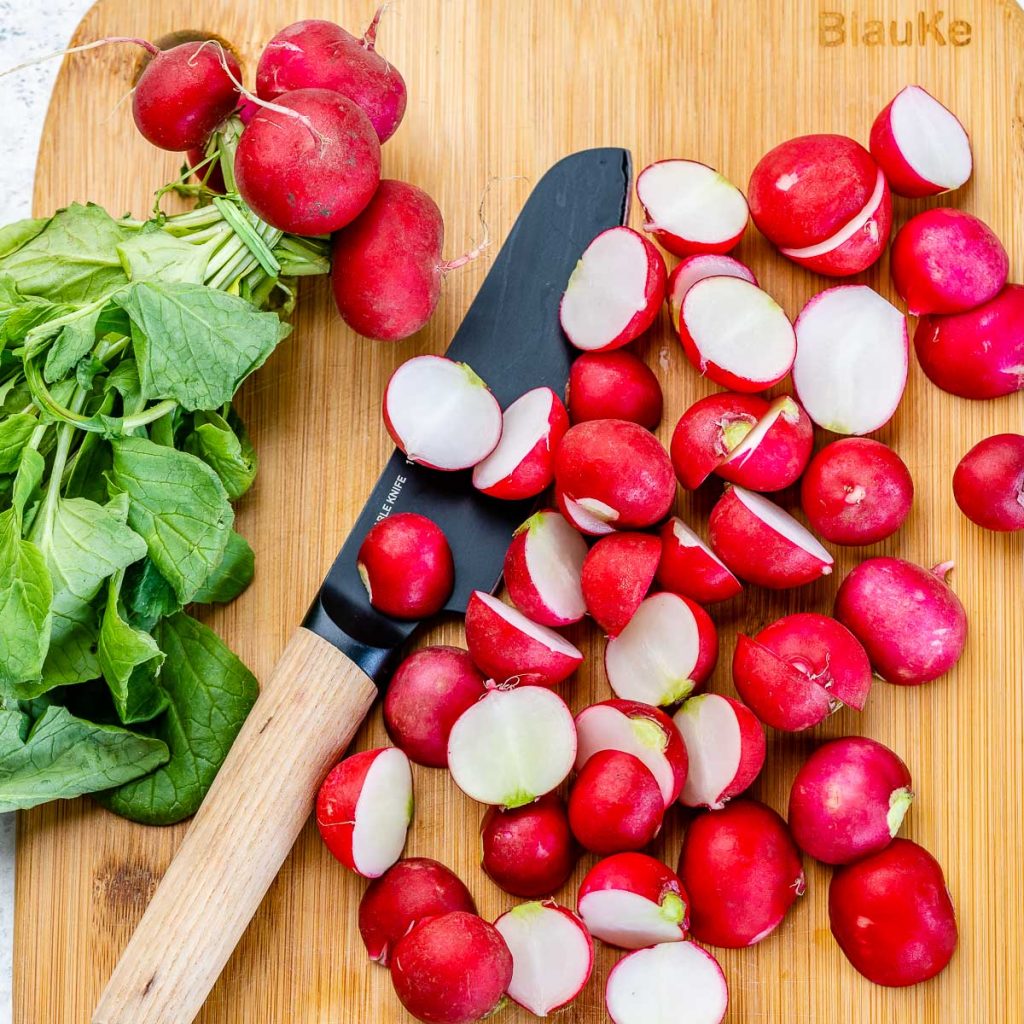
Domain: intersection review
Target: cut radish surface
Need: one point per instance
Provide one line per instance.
(695, 268)
(851, 360)
(579, 515)
(709, 430)
(774, 454)
(689, 567)
(441, 414)
(512, 746)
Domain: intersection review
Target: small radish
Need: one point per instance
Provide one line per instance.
(892, 915)
(736, 334)
(689, 567)
(424, 699)
(695, 268)
(413, 890)
(946, 261)
(856, 491)
(763, 544)
(666, 652)
(774, 454)
(742, 871)
(615, 803)
(851, 359)
(631, 900)
(848, 800)
(726, 746)
(617, 573)
(364, 808)
(920, 145)
(671, 983)
(709, 430)
(691, 208)
(523, 464)
(615, 291)
(441, 414)
(529, 851)
(512, 746)
(543, 568)
(613, 386)
(452, 969)
(638, 729)
(509, 647)
(552, 956)
(909, 620)
(989, 483)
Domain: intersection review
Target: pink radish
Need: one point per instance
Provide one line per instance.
(856, 491)
(614, 293)
(736, 334)
(695, 268)
(689, 567)
(543, 569)
(613, 386)
(631, 900)
(512, 746)
(851, 359)
(848, 800)
(668, 650)
(424, 699)
(691, 208)
(763, 544)
(364, 808)
(742, 871)
(441, 414)
(892, 915)
(552, 956)
(413, 890)
(523, 464)
(406, 565)
(989, 483)
(638, 729)
(617, 573)
(509, 647)
(909, 620)
(920, 145)
(726, 746)
(774, 454)
(709, 430)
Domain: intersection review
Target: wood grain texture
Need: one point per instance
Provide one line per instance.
(502, 88)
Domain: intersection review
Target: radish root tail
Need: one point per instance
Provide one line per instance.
(485, 240)
(151, 48)
(369, 39)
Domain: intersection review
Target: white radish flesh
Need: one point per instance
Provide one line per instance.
(696, 268)
(383, 813)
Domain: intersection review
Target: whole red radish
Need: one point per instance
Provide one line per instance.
(774, 454)
(709, 430)
(617, 573)
(613, 386)
(689, 567)
(989, 483)
(689, 271)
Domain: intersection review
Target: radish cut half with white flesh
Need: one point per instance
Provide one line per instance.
(552, 955)
(512, 746)
(580, 517)
(671, 983)
(689, 567)
(441, 414)
(695, 268)
(851, 360)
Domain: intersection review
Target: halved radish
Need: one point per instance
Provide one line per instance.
(542, 570)
(695, 268)
(666, 652)
(512, 746)
(523, 463)
(631, 900)
(579, 516)
(709, 430)
(441, 414)
(552, 955)
(726, 746)
(509, 647)
(614, 293)
(617, 573)
(689, 567)
(691, 208)
(613, 386)
(851, 359)
(774, 454)
(736, 334)
(364, 808)
(763, 544)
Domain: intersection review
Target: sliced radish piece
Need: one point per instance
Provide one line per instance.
(695, 268)
(709, 430)
(584, 520)
(441, 414)
(851, 360)
(552, 955)
(689, 567)
(614, 293)
(774, 454)
(512, 746)
(617, 573)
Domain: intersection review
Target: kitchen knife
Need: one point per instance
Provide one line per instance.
(329, 673)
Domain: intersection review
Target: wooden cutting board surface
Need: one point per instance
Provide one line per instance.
(500, 88)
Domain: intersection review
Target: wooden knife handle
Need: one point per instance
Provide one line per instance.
(308, 712)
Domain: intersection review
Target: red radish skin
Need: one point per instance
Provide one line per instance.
(989, 483)
(689, 567)
(613, 386)
(426, 696)
(774, 454)
(892, 915)
(856, 491)
(406, 565)
(909, 620)
(848, 800)
(452, 969)
(709, 430)
(617, 573)
(743, 873)
(689, 271)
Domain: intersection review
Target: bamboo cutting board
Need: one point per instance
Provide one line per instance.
(503, 88)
